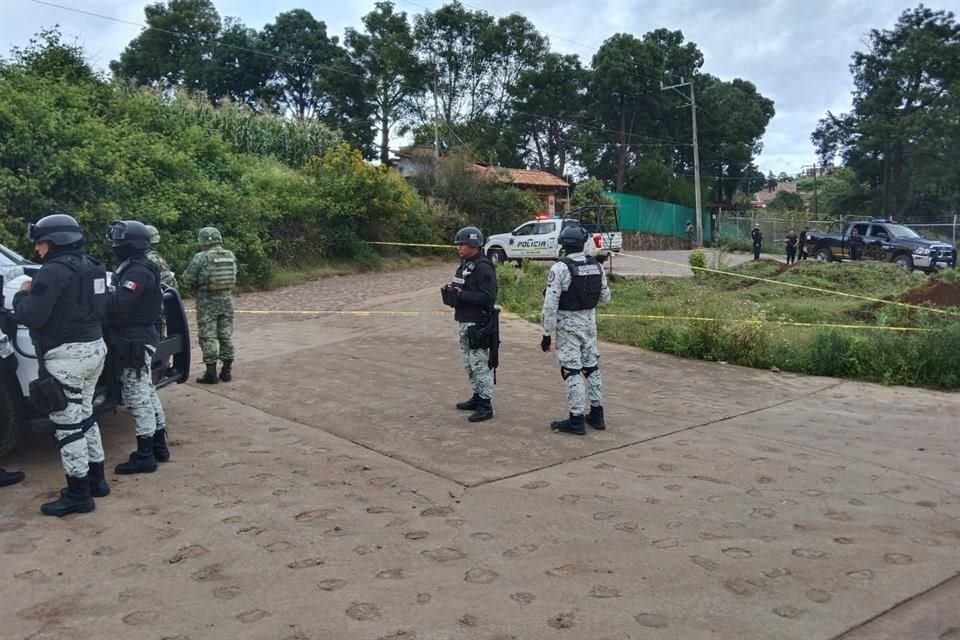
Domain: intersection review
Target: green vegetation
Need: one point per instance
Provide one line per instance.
(747, 313)
(289, 197)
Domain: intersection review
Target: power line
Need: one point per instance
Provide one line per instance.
(663, 142)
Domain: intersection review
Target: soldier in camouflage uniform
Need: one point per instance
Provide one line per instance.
(63, 308)
(575, 285)
(472, 294)
(133, 311)
(212, 275)
(167, 277)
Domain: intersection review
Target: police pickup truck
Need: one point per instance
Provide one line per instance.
(537, 239)
(886, 241)
(19, 367)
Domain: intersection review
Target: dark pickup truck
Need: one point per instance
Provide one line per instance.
(886, 241)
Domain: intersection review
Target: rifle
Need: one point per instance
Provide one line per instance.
(489, 332)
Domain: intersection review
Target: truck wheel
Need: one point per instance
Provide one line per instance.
(497, 255)
(824, 255)
(11, 419)
(904, 261)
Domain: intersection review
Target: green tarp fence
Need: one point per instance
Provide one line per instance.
(652, 216)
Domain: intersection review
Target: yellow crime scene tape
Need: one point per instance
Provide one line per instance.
(630, 316)
(531, 316)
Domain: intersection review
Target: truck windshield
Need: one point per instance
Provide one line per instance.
(900, 231)
(10, 258)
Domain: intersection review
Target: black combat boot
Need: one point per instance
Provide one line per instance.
(573, 424)
(226, 371)
(143, 461)
(160, 451)
(10, 477)
(469, 405)
(483, 411)
(210, 377)
(98, 480)
(76, 499)
(595, 419)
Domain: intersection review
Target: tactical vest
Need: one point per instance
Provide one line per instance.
(466, 278)
(147, 309)
(219, 270)
(79, 311)
(585, 285)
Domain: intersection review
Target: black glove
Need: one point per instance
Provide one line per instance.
(545, 343)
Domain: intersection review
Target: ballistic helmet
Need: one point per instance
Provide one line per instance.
(209, 235)
(154, 234)
(58, 228)
(470, 236)
(572, 238)
(129, 232)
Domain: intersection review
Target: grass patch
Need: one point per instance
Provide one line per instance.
(746, 332)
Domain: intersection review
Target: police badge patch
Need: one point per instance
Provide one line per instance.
(551, 275)
(130, 284)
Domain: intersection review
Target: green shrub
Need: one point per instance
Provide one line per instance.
(698, 261)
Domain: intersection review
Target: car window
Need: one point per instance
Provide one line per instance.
(900, 231)
(546, 227)
(9, 258)
(877, 231)
(861, 228)
(525, 230)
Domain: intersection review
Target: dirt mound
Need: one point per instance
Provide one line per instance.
(935, 292)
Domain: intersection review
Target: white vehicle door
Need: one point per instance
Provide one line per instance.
(546, 239)
(520, 240)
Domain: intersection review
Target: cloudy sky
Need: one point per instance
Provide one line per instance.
(797, 52)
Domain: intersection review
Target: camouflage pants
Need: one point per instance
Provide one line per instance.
(215, 326)
(140, 397)
(475, 361)
(77, 366)
(576, 352)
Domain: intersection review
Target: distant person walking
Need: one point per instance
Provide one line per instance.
(689, 232)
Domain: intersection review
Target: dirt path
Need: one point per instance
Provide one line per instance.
(332, 492)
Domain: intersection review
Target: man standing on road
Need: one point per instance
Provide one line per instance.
(63, 307)
(133, 311)
(757, 236)
(472, 294)
(689, 232)
(576, 284)
(802, 244)
(855, 244)
(167, 277)
(212, 275)
(791, 246)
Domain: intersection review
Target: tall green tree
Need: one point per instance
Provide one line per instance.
(547, 104)
(175, 48)
(394, 75)
(238, 69)
(903, 132)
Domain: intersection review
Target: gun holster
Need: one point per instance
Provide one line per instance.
(449, 295)
(47, 394)
(128, 353)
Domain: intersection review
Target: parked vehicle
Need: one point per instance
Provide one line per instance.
(537, 239)
(887, 242)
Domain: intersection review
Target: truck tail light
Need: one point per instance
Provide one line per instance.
(597, 240)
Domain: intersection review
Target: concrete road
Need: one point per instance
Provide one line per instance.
(676, 263)
(333, 492)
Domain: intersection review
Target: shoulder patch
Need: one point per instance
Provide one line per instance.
(131, 285)
(551, 276)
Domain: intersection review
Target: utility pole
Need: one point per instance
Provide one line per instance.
(436, 118)
(696, 150)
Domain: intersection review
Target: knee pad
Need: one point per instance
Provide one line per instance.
(566, 373)
(588, 371)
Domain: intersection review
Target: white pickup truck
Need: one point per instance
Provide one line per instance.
(537, 239)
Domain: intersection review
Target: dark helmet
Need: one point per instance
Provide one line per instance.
(130, 232)
(572, 238)
(470, 236)
(58, 228)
